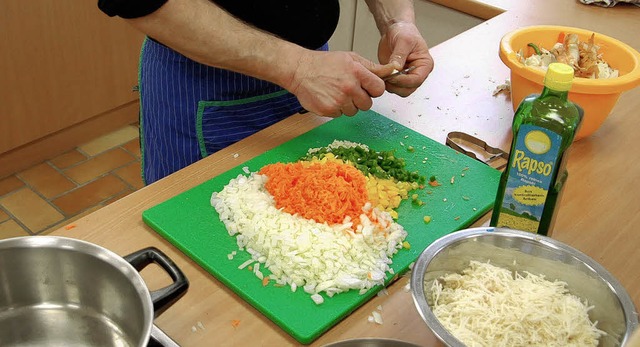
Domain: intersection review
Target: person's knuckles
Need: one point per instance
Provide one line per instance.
(363, 103)
(378, 89)
(400, 91)
(327, 109)
(372, 85)
(349, 110)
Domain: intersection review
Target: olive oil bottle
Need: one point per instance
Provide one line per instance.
(544, 127)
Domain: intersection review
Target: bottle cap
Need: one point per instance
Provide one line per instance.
(559, 77)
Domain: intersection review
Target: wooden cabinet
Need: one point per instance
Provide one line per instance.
(67, 73)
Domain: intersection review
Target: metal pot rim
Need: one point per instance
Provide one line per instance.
(371, 342)
(104, 254)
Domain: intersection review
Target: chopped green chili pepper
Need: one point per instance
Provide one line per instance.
(535, 48)
(381, 164)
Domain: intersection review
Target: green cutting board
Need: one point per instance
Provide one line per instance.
(190, 223)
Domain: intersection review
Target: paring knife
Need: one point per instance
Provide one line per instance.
(398, 73)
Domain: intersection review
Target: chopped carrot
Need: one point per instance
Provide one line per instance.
(265, 281)
(70, 226)
(434, 183)
(235, 323)
(325, 192)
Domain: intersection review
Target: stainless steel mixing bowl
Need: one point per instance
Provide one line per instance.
(613, 308)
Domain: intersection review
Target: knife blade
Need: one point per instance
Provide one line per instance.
(398, 73)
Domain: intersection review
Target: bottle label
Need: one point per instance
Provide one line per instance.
(531, 171)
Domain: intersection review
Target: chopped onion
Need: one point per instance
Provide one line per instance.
(377, 317)
(303, 253)
(317, 298)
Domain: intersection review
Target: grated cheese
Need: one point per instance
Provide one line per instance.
(489, 306)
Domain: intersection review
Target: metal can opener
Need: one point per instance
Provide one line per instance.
(475, 147)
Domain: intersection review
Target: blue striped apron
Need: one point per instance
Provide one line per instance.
(189, 110)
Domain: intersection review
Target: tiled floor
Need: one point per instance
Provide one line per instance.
(58, 191)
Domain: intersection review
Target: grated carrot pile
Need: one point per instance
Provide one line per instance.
(385, 194)
(325, 192)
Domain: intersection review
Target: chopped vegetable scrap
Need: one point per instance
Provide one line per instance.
(375, 317)
(324, 224)
(433, 181)
(584, 57)
(503, 87)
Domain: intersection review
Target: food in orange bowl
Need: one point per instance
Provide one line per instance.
(597, 96)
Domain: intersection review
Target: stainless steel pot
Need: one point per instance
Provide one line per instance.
(57, 291)
(371, 342)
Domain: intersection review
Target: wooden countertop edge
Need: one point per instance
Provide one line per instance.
(480, 9)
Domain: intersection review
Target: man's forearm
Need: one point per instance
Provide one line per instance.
(206, 33)
(388, 12)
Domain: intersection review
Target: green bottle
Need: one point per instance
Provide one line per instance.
(544, 127)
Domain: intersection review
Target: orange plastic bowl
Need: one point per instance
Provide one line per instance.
(596, 96)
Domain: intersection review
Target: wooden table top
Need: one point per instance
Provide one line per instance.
(599, 213)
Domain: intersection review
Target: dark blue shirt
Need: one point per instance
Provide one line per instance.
(309, 23)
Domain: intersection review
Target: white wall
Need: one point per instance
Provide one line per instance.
(357, 31)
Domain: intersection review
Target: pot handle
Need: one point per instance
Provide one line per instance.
(164, 297)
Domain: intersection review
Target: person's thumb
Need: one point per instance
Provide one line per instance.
(399, 55)
(397, 61)
(383, 71)
(377, 69)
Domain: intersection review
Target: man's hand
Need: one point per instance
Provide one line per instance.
(402, 46)
(336, 83)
